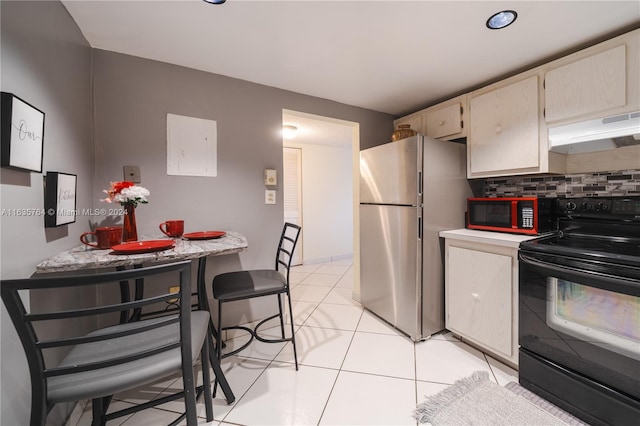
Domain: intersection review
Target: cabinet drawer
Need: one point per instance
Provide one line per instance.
(444, 122)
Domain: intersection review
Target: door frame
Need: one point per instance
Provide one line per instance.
(355, 158)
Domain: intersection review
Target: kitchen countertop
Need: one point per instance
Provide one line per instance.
(487, 237)
(85, 257)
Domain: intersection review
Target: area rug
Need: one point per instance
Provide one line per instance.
(476, 400)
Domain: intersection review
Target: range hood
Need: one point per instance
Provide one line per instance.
(596, 135)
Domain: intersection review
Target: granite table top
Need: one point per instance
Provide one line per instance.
(85, 257)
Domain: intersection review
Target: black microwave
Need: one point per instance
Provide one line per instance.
(518, 215)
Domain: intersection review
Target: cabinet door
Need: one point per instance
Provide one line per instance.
(504, 129)
(479, 297)
(445, 121)
(414, 120)
(593, 84)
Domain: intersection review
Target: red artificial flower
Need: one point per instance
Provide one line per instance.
(117, 187)
(133, 194)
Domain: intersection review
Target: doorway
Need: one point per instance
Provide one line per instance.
(322, 158)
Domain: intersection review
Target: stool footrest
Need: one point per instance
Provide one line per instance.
(253, 334)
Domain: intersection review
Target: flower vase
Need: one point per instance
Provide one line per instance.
(129, 230)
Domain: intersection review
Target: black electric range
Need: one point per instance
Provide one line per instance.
(579, 310)
(595, 228)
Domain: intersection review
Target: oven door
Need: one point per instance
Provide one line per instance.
(581, 318)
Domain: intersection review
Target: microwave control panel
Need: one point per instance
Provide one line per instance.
(527, 217)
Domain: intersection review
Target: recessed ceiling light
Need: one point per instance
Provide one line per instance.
(501, 19)
(214, 1)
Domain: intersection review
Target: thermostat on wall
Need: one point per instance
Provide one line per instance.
(270, 177)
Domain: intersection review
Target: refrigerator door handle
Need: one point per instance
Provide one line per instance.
(420, 183)
(419, 228)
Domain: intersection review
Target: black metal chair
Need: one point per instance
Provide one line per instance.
(241, 285)
(114, 358)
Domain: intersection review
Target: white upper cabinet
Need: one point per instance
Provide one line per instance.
(414, 120)
(442, 121)
(446, 120)
(594, 84)
(507, 123)
(503, 131)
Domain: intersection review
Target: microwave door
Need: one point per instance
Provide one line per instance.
(491, 214)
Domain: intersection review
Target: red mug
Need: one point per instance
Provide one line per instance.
(106, 237)
(172, 228)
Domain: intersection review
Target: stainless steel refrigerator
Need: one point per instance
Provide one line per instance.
(410, 190)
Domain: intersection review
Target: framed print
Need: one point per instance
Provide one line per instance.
(59, 199)
(22, 134)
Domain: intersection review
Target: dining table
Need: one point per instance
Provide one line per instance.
(155, 249)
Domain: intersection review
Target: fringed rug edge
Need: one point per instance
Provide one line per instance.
(428, 409)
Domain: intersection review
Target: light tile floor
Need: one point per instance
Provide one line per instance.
(354, 368)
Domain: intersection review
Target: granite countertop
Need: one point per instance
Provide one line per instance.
(488, 237)
(85, 257)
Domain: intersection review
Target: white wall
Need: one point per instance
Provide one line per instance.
(327, 201)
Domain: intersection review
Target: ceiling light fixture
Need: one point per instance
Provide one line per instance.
(289, 131)
(214, 1)
(501, 19)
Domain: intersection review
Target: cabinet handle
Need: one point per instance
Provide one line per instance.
(441, 123)
(475, 296)
(498, 129)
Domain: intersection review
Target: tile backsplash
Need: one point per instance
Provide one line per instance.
(613, 183)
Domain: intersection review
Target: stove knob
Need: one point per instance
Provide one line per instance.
(602, 207)
(571, 206)
(586, 206)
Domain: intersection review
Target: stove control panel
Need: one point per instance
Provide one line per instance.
(627, 208)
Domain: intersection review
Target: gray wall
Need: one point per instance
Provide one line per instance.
(132, 97)
(47, 62)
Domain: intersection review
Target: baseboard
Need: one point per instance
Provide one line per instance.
(327, 259)
(355, 295)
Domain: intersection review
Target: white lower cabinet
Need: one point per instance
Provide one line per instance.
(479, 293)
(481, 290)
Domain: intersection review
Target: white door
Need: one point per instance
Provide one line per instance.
(292, 191)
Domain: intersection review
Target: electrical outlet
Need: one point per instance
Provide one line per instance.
(174, 289)
(132, 174)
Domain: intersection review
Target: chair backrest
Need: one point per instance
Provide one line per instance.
(32, 326)
(286, 247)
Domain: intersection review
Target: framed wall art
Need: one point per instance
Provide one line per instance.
(59, 199)
(22, 134)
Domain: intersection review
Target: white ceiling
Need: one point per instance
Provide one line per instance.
(389, 56)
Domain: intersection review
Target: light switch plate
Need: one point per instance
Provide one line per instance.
(270, 196)
(132, 174)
